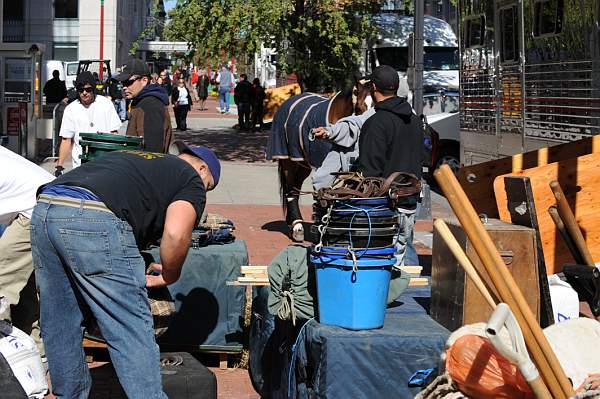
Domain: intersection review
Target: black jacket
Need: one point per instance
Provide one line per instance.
(391, 140)
(243, 92)
(55, 90)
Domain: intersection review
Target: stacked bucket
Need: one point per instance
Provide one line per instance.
(353, 255)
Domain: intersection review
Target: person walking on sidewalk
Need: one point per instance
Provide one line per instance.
(55, 89)
(182, 101)
(17, 198)
(87, 230)
(115, 92)
(258, 104)
(225, 81)
(149, 117)
(243, 97)
(89, 113)
(391, 141)
(203, 83)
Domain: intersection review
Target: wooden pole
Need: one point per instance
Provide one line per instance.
(538, 345)
(566, 214)
(463, 260)
(560, 226)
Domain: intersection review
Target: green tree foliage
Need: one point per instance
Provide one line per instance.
(319, 40)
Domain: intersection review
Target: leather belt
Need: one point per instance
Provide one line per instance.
(74, 203)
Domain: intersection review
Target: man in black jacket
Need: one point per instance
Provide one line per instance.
(392, 141)
(242, 96)
(149, 117)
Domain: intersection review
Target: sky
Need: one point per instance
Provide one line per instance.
(169, 4)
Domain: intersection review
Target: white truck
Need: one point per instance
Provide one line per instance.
(440, 76)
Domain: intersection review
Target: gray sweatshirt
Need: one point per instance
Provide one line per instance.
(344, 136)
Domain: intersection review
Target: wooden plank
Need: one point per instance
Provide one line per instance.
(88, 343)
(223, 361)
(521, 206)
(253, 269)
(253, 279)
(580, 180)
(412, 269)
(238, 283)
(418, 281)
(478, 180)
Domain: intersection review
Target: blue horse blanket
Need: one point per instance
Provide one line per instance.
(289, 135)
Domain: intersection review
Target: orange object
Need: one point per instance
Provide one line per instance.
(480, 371)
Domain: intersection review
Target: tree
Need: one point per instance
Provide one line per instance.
(319, 40)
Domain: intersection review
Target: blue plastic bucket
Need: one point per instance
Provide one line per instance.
(348, 299)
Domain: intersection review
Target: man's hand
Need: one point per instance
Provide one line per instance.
(320, 133)
(154, 278)
(58, 170)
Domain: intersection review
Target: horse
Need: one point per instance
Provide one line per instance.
(296, 152)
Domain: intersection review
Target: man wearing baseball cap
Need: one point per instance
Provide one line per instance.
(87, 231)
(149, 116)
(392, 141)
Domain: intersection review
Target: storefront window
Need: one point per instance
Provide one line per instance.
(65, 51)
(13, 28)
(17, 79)
(66, 9)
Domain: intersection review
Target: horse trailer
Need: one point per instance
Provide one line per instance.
(529, 75)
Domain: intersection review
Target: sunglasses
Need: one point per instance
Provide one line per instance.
(129, 82)
(86, 89)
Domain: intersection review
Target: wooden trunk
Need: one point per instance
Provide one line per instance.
(455, 300)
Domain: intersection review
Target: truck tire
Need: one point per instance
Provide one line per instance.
(449, 153)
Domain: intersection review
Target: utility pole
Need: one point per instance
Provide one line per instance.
(418, 57)
(101, 40)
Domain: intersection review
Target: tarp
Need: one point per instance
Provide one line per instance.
(209, 313)
(288, 138)
(332, 362)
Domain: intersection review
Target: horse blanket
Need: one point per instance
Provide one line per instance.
(289, 135)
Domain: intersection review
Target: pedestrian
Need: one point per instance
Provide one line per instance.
(115, 92)
(182, 101)
(258, 105)
(55, 89)
(392, 141)
(149, 116)
(17, 198)
(194, 81)
(203, 82)
(89, 113)
(166, 82)
(243, 97)
(87, 231)
(154, 78)
(225, 81)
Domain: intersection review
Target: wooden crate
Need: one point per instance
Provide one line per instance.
(455, 300)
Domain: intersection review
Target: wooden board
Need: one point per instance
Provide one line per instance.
(580, 180)
(478, 180)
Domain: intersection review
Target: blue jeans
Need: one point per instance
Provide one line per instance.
(87, 260)
(224, 99)
(406, 254)
(121, 108)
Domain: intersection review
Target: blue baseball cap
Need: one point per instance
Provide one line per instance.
(204, 153)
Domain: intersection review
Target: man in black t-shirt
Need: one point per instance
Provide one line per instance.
(86, 233)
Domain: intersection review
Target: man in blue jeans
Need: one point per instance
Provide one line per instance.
(86, 232)
(225, 81)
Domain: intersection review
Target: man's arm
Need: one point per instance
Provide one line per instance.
(346, 131)
(174, 243)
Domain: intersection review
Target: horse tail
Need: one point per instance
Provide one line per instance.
(283, 185)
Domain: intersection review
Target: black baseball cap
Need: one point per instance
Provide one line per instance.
(134, 67)
(385, 78)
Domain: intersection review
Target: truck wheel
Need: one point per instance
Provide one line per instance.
(450, 155)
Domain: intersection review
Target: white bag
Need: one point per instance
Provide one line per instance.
(23, 356)
(565, 301)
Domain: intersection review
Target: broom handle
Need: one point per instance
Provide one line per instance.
(505, 284)
(539, 389)
(566, 214)
(463, 260)
(560, 226)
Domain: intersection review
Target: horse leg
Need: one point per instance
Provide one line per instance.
(295, 215)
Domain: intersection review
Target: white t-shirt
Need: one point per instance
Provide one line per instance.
(19, 181)
(183, 96)
(99, 117)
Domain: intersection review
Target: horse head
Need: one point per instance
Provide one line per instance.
(350, 101)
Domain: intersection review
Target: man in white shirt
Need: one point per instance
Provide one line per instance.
(90, 113)
(17, 198)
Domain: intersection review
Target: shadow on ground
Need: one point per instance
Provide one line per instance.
(229, 144)
(280, 226)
